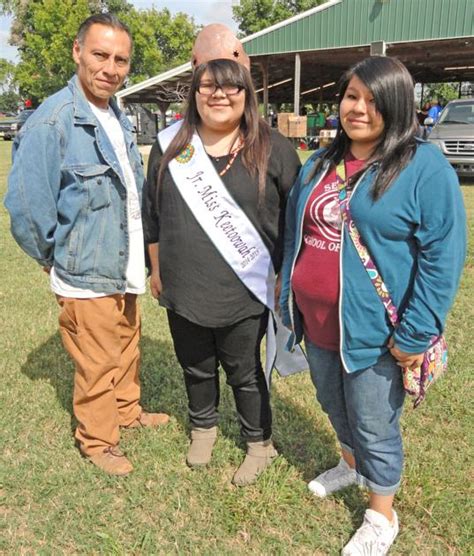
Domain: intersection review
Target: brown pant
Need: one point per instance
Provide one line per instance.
(101, 335)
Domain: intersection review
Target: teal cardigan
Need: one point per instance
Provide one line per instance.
(416, 235)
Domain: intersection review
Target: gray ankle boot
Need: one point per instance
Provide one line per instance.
(200, 449)
(259, 456)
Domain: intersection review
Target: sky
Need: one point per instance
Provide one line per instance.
(203, 11)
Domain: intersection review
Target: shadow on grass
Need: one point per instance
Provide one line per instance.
(310, 448)
(49, 362)
(160, 376)
(307, 445)
(162, 386)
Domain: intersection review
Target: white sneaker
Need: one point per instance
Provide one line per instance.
(374, 537)
(333, 480)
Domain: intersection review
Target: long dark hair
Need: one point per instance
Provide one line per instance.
(254, 131)
(393, 89)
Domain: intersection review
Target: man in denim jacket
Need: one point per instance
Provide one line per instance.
(74, 197)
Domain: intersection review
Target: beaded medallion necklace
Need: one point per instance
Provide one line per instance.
(233, 156)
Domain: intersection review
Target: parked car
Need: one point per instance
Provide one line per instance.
(454, 135)
(10, 127)
(6, 130)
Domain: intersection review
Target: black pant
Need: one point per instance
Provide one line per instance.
(237, 348)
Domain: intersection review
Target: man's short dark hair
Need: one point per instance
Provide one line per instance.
(109, 20)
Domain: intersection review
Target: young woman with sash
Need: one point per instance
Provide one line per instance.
(405, 201)
(214, 205)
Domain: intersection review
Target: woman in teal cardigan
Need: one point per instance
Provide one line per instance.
(406, 203)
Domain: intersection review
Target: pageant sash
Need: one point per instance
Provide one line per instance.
(236, 239)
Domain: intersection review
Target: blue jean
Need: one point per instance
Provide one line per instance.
(364, 408)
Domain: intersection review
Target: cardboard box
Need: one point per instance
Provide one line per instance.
(297, 126)
(283, 118)
(290, 125)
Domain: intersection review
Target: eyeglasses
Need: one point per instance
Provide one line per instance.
(210, 88)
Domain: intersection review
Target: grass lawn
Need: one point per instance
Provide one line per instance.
(54, 502)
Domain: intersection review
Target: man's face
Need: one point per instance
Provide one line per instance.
(103, 62)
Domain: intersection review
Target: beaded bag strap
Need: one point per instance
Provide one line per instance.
(364, 255)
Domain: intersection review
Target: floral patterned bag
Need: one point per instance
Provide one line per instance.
(435, 361)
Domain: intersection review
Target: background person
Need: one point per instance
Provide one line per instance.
(74, 200)
(406, 203)
(214, 318)
(434, 110)
(421, 116)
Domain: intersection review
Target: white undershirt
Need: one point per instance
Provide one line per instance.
(135, 274)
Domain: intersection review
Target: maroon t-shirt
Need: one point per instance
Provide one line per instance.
(315, 279)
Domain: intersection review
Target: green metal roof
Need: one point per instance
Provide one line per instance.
(346, 23)
(433, 38)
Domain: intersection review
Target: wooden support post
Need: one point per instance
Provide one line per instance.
(163, 106)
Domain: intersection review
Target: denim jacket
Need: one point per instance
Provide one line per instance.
(416, 235)
(67, 195)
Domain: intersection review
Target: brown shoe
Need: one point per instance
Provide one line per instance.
(259, 456)
(200, 449)
(149, 420)
(112, 461)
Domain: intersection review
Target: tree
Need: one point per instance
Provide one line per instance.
(45, 44)
(254, 15)
(9, 101)
(44, 31)
(9, 97)
(161, 41)
(8, 7)
(7, 74)
(442, 91)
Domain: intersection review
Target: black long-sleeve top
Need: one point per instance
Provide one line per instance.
(197, 283)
